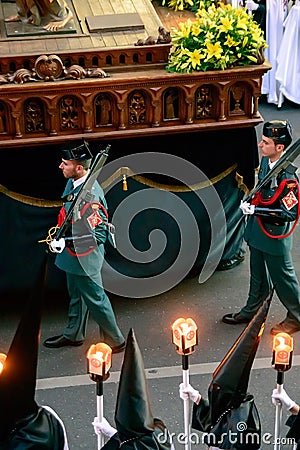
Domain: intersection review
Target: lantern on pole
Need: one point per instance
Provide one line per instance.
(3, 357)
(282, 361)
(185, 338)
(99, 363)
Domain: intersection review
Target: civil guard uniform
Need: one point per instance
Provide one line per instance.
(82, 260)
(269, 236)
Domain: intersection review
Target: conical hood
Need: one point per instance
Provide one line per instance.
(18, 378)
(230, 379)
(133, 414)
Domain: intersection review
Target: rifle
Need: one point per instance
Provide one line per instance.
(284, 162)
(84, 194)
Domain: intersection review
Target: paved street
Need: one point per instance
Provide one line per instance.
(64, 384)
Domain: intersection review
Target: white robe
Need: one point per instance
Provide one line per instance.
(276, 11)
(288, 59)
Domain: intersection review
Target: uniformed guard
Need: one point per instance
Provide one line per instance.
(80, 254)
(272, 216)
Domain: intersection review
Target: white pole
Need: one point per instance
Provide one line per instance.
(100, 411)
(186, 409)
(278, 413)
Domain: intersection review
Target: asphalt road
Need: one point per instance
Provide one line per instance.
(63, 382)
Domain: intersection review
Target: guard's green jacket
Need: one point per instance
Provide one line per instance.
(91, 263)
(254, 235)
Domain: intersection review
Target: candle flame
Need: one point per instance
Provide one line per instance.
(99, 356)
(2, 360)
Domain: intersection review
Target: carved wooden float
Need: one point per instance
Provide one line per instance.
(69, 97)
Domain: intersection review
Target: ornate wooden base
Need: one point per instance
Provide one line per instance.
(60, 103)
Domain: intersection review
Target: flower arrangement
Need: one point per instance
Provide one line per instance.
(220, 38)
(192, 5)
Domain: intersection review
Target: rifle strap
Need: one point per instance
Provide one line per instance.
(93, 220)
(257, 200)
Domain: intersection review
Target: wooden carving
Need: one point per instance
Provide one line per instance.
(51, 68)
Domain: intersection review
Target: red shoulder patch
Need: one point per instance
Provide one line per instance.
(290, 200)
(94, 219)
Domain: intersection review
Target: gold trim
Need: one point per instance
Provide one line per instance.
(240, 182)
(128, 172)
(143, 180)
(40, 202)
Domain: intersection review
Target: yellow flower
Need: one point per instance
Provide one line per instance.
(245, 40)
(230, 42)
(179, 5)
(239, 12)
(185, 28)
(226, 24)
(214, 50)
(209, 36)
(252, 58)
(196, 57)
(196, 29)
(242, 23)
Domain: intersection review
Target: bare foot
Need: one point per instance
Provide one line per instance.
(12, 19)
(57, 25)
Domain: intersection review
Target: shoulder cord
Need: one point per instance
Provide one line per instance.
(257, 200)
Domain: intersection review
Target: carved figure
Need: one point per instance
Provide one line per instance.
(170, 99)
(55, 13)
(149, 41)
(164, 36)
(105, 110)
(96, 72)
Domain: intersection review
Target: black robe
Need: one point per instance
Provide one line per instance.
(294, 432)
(39, 431)
(236, 428)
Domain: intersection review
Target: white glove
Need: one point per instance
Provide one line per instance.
(282, 398)
(103, 427)
(58, 246)
(247, 208)
(188, 392)
(251, 5)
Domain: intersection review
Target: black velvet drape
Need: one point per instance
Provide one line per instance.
(34, 172)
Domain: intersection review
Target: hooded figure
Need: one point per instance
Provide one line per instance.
(229, 404)
(137, 429)
(24, 424)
